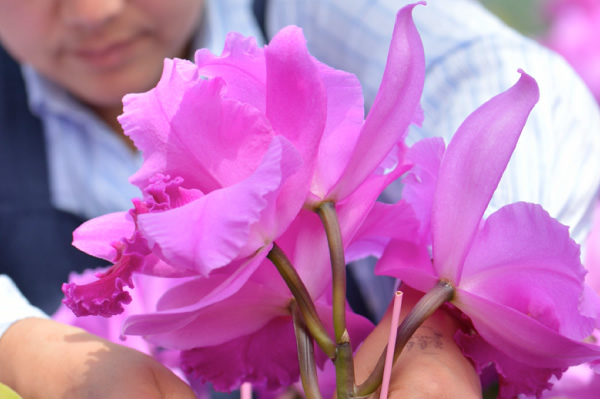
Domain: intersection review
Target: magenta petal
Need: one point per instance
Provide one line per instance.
(215, 323)
(154, 266)
(394, 106)
(521, 337)
(144, 298)
(419, 182)
(514, 377)
(221, 285)
(296, 108)
(362, 221)
(105, 296)
(345, 116)
(266, 358)
(580, 382)
(97, 236)
(241, 65)
(471, 169)
(524, 259)
(383, 223)
(218, 225)
(592, 255)
(296, 99)
(409, 262)
(217, 147)
(305, 244)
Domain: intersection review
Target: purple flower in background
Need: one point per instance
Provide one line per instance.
(517, 274)
(574, 32)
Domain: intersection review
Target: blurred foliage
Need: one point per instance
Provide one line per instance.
(523, 15)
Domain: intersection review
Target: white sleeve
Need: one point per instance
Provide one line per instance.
(13, 305)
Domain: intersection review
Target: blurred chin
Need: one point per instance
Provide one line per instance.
(108, 91)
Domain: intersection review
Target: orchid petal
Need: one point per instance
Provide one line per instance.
(244, 359)
(514, 378)
(97, 236)
(592, 255)
(210, 149)
(345, 116)
(105, 296)
(471, 169)
(409, 262)
(521, 337)
(313, 266)
(154, 266)
(241, 65)
(522, 258)
(217, 225)
(297, 110)
(384, 222)
(394, 106)
(419, 182)
(211, 322)
(144, 299)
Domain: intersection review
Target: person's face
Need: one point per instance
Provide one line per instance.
(98, 50)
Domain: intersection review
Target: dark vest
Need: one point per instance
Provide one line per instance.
(35, 238)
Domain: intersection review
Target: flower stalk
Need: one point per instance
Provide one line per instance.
(328, 215)
(306, 355)
(429, 303)
(344, 369)
(344, 361)
(303, 299)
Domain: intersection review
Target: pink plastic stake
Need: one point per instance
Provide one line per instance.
(389, 358)
(246, 391)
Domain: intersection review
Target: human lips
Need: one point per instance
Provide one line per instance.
(110, 54)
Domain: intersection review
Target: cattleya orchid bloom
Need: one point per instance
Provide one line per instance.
(236, 150)
(222, 184)
(517, 274)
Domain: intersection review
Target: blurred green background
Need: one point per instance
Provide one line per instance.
(523, 15)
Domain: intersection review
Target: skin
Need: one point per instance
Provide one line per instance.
(99, 50)
(61, 361)
(430, 366)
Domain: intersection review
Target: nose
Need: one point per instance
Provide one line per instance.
(89, 14)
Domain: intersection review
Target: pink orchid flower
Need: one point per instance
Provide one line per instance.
(277, 130)
(517, 274)
(574, 31)
(581, 381)
(225, 342)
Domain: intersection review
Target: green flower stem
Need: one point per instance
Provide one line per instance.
(344, 369)
(306, 355)
(303, 299)
(344, 362)
(328, 215)
(429, 303)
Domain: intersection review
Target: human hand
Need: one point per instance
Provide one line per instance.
(431, 364)
(42, 358)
